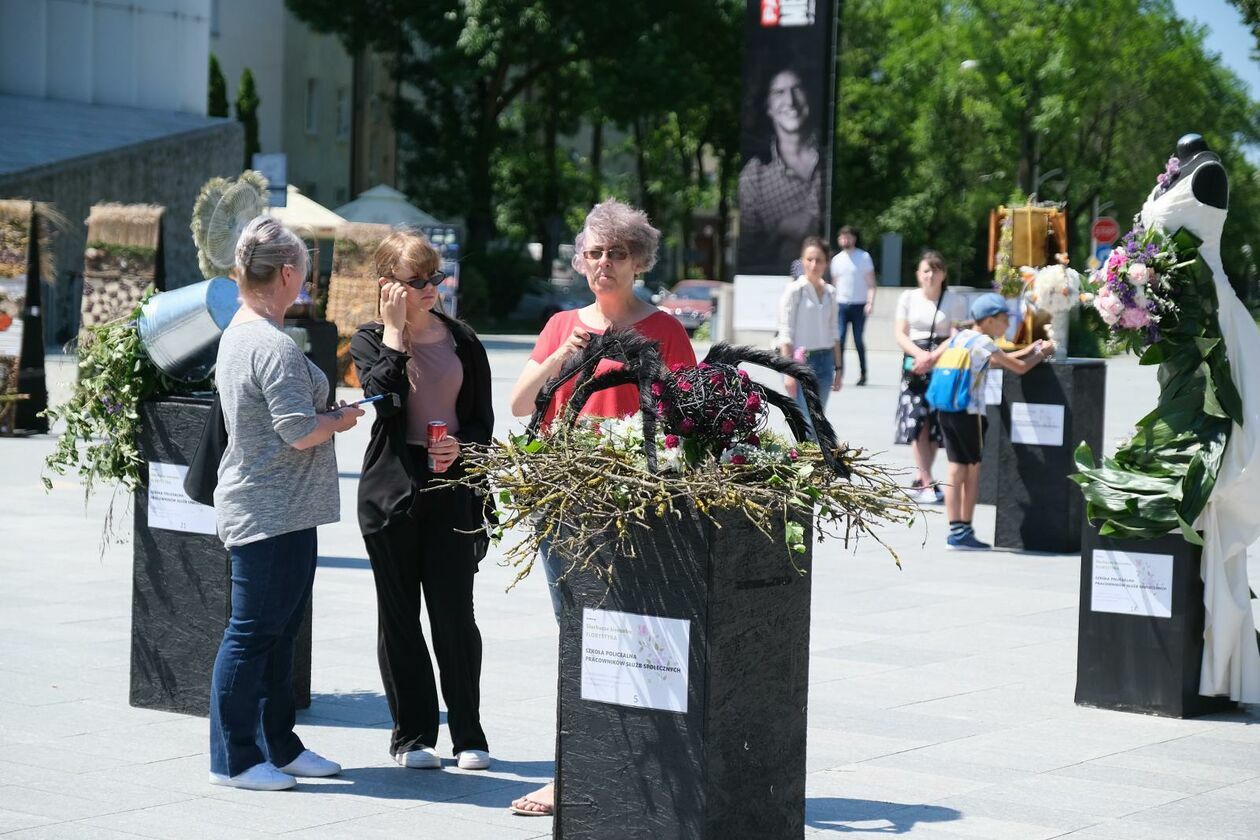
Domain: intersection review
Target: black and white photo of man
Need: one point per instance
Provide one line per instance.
(780, 186)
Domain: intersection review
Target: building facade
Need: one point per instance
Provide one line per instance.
(139, 54)
(326, 110)
(124, 121)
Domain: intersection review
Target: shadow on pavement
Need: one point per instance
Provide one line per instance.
(356, 709)
(487, 790)
(831, 813)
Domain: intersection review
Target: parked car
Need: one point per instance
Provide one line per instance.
(542, 299)
(691, 302)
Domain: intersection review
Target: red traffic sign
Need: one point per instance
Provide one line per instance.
(1105, 230)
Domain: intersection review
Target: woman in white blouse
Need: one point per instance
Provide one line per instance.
(926, 318)
(808, 328)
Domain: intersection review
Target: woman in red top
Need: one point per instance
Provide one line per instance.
(617, 243)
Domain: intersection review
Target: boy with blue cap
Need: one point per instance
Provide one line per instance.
(963, 431)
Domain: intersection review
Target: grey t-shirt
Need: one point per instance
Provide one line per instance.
(270, 393)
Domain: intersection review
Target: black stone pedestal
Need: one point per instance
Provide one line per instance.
(732, 765)
(1132, 660)
(323, 349)
(988, 491)
(182, 584)
(1038, 507)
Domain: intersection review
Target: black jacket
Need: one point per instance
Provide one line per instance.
(386, 485)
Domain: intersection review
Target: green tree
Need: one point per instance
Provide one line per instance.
(247, 114)
(1251, 16)
(947, 109)
(216, 100)
(464, 66)
(495, 91)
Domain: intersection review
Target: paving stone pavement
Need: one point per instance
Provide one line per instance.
(940, 702)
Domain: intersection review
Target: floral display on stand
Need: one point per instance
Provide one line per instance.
(1158, 300)
(1135, 291)
(102, 418)
(1008, 281)
(1055, 290)
(700, 446)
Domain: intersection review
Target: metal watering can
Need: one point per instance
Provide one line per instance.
(180, 329)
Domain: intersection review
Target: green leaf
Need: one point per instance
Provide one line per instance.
(1153, 355)
(1187, 531)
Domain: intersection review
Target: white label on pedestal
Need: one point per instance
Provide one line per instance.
(635, 660)
(1130, 583)
(169, 506)
(1037, 424)
(993, 387)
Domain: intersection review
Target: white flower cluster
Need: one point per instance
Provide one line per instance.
(1055, 289)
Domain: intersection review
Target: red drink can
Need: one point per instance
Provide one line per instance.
(437, 431)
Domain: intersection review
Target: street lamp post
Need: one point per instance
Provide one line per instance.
(1039, 179)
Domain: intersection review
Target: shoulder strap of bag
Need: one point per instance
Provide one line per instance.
(932, 329)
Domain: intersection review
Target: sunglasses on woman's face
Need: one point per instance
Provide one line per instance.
(435, 279)
(615, 254)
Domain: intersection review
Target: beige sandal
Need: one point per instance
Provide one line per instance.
(545, 810)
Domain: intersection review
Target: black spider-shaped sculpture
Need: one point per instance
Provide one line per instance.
(642, 366)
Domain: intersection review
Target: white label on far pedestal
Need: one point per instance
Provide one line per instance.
(1037, 424)
(169, 506)
(993, 387)
(1130, 583)
(635, 660)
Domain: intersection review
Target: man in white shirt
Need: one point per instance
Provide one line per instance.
(853, 275)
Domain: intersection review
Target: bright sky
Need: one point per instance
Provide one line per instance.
(1229, 36)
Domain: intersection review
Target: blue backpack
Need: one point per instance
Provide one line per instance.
(949, 389)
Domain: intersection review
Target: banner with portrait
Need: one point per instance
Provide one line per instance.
(786, 131)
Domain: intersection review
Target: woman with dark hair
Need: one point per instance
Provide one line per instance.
(807, 325)
(780, 192)
(926, 317)
(428, 367)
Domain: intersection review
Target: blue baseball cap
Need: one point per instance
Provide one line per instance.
(987, 305)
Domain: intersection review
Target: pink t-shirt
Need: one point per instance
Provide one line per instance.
(624, 399)
(436, 375)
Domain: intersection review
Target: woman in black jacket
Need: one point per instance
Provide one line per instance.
(429, 367)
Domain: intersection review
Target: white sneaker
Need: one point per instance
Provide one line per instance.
(928, 496)
(425, 758)
(262, 776)
(473, 760)
(311, 765)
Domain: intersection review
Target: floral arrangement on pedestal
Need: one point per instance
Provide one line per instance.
(1135, 291)
(700, 444)
(1158, 300)
(101, 419)
(1055, 291)
(1007, 280)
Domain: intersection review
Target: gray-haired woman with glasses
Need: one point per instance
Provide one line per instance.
(429, 368)
(616, 243)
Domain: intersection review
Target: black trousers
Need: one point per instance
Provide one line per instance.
(423, 556)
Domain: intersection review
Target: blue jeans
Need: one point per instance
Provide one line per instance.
(553, 568)
(251, 690)
(854, 314)
(824, 368)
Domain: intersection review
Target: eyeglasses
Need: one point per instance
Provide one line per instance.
(434, 279)
(614, 254)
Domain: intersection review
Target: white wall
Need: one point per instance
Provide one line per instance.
(283, 53)
(251, 33)
(143, 54)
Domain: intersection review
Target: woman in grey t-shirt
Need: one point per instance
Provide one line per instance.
(277, 481)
